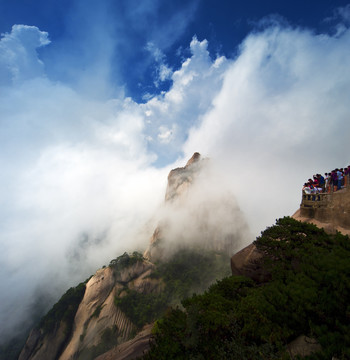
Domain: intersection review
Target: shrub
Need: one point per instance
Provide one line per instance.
(126, 260)
(64, 310)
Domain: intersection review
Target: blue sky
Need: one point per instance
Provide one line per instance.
(100, 99)
(76, 29)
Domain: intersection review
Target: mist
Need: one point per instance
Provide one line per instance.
(281, 116)
(200, 211)
(84, 167)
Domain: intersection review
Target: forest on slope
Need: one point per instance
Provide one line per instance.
(307, 293)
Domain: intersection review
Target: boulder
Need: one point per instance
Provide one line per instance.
(303, 346)
(248, 262)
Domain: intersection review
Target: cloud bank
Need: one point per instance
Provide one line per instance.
(77, 181)
(82, 175)
(280, 117)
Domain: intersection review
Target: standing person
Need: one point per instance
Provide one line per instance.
(334, 178)
(327, 177)
(306, 190)
(340, 178)
(321, 182)
(347, 175)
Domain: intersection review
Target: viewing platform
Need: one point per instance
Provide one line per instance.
(316, 200)
(330, 207)
(322, 199)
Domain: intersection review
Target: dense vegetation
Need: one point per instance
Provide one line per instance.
(185, 272)
(64, 310)
(308, 294)
(125, 260)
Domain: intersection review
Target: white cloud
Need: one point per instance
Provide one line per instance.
(77, 183)
(188, 99)
(165, 135)
(78, 172)
(281, 116)
(163, 71)
(18, 57)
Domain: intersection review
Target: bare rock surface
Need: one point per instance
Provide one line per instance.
(96, 313)
(40, 347)
(131, 349)
(180, 179)
(326, 224)
(247, 262)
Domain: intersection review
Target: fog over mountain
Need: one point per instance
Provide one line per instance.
(84, 167)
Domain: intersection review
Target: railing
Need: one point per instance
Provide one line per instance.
(322, 199)
(315, 200)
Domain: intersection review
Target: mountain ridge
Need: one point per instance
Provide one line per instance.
(104, 311)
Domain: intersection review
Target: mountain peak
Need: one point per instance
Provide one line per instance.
(195, 157)
(181, 178)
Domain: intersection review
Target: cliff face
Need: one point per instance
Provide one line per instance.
(96, 316)
(180, 179)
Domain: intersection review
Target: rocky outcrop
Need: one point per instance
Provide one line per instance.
(96, 313)
(180, 179)
(303, 346)
(248, 262)
(39, 347)
(179, 183)
(198, 211)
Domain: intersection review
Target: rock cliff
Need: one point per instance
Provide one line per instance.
(97, 315)
(198, 211)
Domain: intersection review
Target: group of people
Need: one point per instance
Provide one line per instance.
(332, 181)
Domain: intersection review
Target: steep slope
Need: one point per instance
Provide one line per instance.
(98, 322)
(131, 349)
